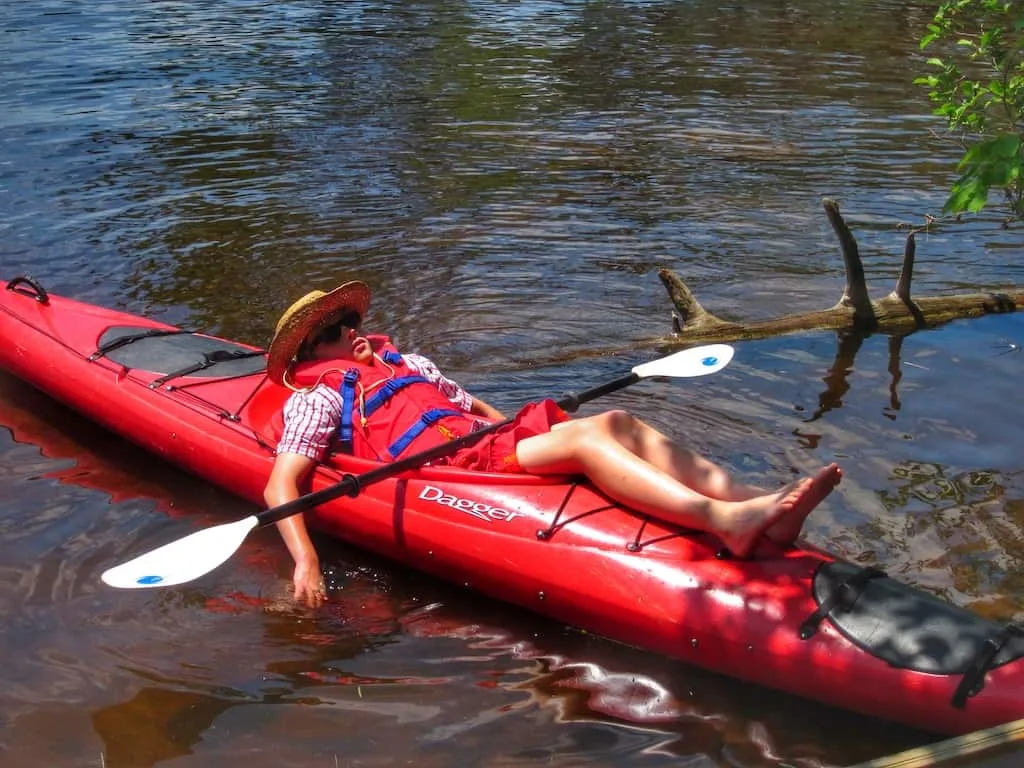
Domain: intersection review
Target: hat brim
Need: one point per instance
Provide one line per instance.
(306, 316)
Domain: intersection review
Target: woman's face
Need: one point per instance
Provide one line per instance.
(340, 340)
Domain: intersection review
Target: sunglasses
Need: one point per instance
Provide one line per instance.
(329, 334)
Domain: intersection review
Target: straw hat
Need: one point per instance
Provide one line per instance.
(310, 313)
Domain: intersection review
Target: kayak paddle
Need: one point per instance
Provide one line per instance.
(199, 553)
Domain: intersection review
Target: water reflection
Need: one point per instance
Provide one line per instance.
(966, 525)
(620, 703)
(155, 725)
(837, 380)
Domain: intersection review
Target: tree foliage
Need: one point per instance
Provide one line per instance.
(979, 89)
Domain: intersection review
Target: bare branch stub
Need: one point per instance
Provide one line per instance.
(855, 294)
(896, 313)
(907, 273)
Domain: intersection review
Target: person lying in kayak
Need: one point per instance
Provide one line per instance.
(357, 394)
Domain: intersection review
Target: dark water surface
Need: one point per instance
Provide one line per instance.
(508, 177)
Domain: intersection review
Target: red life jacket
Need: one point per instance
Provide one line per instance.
(388, 408)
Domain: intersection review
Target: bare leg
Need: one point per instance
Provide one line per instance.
(786, 530)
(689, 468)
(590, 447)
(704, 477)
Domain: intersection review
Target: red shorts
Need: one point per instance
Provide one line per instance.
(496, 452)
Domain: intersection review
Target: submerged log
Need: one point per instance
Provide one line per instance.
(897, 314)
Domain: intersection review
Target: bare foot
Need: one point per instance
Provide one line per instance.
(744, 522)
(786, 529)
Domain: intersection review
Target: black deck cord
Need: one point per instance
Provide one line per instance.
(123, 341)
(845, 595)
(40, 294)
(235, 415)
(637, 546)
(974, 678)
(209, 360)
(543, 534)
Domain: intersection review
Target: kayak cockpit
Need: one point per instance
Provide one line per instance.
(174, 353)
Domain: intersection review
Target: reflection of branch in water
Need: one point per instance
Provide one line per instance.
(836, 380)
(837, 384)
(895, 347)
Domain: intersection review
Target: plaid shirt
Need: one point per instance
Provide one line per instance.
(312, 417)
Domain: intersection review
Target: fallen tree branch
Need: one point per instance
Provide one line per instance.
(896, 314)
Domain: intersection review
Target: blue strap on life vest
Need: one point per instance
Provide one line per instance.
(430, 417)
(392, 358)
(387, 391)
(348, 397)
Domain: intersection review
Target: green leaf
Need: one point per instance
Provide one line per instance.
(977, 87)
(968, 196)
(1007, 145)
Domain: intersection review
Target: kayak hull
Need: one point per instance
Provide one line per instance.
(554, 545)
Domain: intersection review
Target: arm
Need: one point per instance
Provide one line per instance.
(310, 419)
(480, 408)
(290, 469)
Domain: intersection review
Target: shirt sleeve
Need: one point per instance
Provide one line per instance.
(447, 387)
(310, 422)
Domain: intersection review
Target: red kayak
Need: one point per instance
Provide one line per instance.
(797, 620)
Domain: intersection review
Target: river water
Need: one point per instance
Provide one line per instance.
(509, 178)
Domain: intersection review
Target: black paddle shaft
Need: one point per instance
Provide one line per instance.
(351, 485)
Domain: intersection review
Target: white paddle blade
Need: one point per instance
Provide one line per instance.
(699, 361)
(182, 560)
